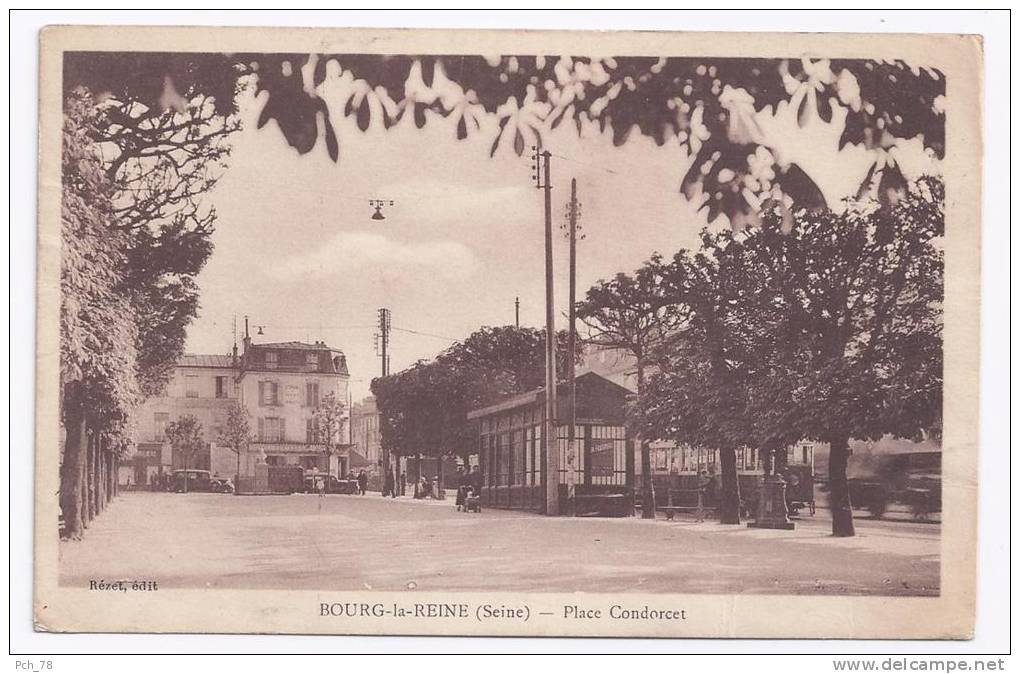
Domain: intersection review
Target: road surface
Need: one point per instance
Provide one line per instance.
(336, 542)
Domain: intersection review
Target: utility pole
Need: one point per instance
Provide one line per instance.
(573, 214)
(384, 344)
(517, 312)
(384, 340)
(550, 445)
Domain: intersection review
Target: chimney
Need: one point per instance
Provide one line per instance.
(233, 357)
(247, 337)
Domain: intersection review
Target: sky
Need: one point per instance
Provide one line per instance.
(296, 249)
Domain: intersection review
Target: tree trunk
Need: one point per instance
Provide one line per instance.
(71, 468)
(647, 486)
(839, 488)
(90, 478)
(782, 459)
(439, 473)
(729, 492)
(101, 478)
(111, 475)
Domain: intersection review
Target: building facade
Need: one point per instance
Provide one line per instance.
(279, 384)
(365, 432)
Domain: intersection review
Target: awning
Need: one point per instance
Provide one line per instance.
(357, 460)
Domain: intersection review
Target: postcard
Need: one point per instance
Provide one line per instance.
(513, 333)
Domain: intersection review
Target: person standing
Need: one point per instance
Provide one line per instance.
(362, 483)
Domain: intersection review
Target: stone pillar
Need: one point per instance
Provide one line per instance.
(261, 478)
(772, 513)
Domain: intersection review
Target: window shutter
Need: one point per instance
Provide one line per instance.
(262, 427)
(283, 429)
(262, 399)
(276, 393)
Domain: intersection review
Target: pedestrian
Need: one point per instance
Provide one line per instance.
(475, 480)
(362, 483)
(403, 484)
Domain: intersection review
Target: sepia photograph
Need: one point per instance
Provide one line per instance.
(467, 332)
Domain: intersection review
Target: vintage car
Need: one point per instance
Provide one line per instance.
(221, 485)
(191, 480)
(912, 479)
(334, 485)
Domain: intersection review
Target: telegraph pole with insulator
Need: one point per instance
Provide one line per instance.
(383, 344)
(550, 449)
(573, 215)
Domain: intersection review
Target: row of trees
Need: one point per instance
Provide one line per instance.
(825, 327)
(424, 408)
(134, 235)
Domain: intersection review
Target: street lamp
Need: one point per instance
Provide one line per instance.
(378, 204)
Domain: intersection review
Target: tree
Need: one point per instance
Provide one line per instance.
(424, 407)
(185, 437)
(732, 115)
(698, 394)
(329, 424)
(858, 354)
(134, 236)
(98, 334)
(237, 434)
(629, 313)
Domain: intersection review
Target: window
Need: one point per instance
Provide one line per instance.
(160, 420)
(269, 393)
(312, 394)
(311, 430)
(271, 360)
(191, 385)
(221, 387)
(271, 429)
(312, 358)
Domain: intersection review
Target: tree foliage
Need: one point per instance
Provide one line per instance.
(329, 423)
(424, 408)
(185, 436)
(729, 114)
(236, 433)
(828, 327)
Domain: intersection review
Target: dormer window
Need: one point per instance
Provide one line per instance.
(312, 358)
(271, 360)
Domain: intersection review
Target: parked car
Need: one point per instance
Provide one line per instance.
(333, 484)
(221, 485)
(191, 480)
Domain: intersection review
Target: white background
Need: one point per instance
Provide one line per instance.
(994, 588)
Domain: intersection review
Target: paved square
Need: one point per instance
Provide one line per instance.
(356, 543)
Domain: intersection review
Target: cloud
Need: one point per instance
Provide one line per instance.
(349, 252)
